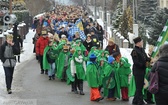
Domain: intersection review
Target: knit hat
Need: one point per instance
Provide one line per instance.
(137, 39)
(92, 57)
(63, 36)
(111, 59)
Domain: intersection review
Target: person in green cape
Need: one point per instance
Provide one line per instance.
(124, 72)
(79, 43)
(70, 78)
(49, 57)
(78, 69)
(101, 72)
(95, 51)
(111, 83)
(92, 78)
(62, 63)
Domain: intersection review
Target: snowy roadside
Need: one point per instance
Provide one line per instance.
(25, 56)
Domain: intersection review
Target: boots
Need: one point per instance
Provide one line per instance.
(42, 71)
(9, 91)
(81, 89)
(53, 77)
(46, 72)
(72, 87)
(49, 77)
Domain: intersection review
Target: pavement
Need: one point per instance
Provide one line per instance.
(32, 88)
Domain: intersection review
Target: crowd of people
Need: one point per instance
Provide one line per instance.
(75, 55)
(68, 46)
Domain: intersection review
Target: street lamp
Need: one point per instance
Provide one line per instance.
(95, 10)
(105, 16)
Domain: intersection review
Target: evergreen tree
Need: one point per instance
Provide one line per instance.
(157, 24)
(146, 10)
(130, 19)
(126, 23)
(123, 27)
(117, 16)
(142, 34)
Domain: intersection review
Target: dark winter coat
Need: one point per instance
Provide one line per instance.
(95, 40)
(63, 33)
(113, 50)
(41, 44)
(162, 65)
(100, 33)
(139, 58)
(88, 45)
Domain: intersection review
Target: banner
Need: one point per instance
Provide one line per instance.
(163, 39)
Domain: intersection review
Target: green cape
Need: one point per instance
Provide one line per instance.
(124, 75)
(92, 75)
(107, 72)
(60, 63)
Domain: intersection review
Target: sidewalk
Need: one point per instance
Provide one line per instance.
(25, 56)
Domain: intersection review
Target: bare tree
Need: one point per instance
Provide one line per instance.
(37, 6)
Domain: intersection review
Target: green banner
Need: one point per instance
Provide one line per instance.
(163, 39)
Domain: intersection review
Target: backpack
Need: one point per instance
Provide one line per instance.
(154, 81)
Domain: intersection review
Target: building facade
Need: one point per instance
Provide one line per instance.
(163, 3)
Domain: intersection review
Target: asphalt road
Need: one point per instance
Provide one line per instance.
(32, 88)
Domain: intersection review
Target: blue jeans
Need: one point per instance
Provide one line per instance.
(51, 70)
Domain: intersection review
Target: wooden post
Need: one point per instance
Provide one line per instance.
(10, 6)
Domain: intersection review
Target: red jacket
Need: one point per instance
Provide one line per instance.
(41, 44)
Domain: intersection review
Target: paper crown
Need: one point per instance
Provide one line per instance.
(65, 47)
(44, 32)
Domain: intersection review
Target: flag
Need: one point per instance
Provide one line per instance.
(73, 30)
(163, 39)
(79, 24)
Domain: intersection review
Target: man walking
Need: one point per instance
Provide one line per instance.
(7, 55)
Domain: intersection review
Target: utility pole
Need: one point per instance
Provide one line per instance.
(105, 17)
(10, 6)
(95, 10)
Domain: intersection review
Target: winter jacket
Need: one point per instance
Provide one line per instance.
(139, 58)
(7, 54)
(88, 45)
(162, 65)
(113, 50)
(41, 44)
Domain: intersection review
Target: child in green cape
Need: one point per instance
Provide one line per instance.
(78, 69)
(49, 59)
(92, 78)
(124, 71)
(111, 82)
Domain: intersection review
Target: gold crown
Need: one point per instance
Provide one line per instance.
(44, 32)
(65, 47)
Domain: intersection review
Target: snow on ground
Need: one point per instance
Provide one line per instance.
(26, 55)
